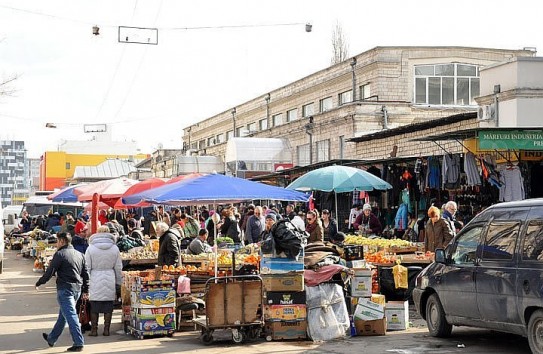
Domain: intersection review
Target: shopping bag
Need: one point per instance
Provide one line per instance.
(84, 313)
(400, 276)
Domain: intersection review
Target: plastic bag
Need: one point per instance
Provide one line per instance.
(400, 276)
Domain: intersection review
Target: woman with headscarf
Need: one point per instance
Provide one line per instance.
(438, 231)
(104, 265)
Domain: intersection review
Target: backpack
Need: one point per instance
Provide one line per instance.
(288, 238)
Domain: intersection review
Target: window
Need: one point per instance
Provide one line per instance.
(68, 165)
(194, 146)
(220, 138)
(501, 240)
(532, 249)
(292, 115)
(323, 150)
(210, 141)
(239, 131)
(201, 144)
(346, 97)
(277, 119)
(307, 110)
(263, 124)
(251, 127)
(341, 146)
(365, 92)
(446, 84)
(229, 135)
(465, 248)
(325, 104)
(303, 155)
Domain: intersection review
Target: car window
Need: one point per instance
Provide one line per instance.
(500, 240)
(533, 241)
(465, 247)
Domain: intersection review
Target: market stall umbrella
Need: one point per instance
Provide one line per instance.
(183, 177)
(214, 188)
(139, 187)
(108, 191)
(338, 179)
(65, 195)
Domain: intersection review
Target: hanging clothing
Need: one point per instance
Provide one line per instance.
(512, 187)
(450, 169)
(472, 172)
(401, 220)
(433, 175)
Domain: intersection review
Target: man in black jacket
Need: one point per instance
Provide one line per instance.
(72, 278)
(168, 244)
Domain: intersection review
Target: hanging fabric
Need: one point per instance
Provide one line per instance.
(450, 170)
(473, 178)
(512, 184)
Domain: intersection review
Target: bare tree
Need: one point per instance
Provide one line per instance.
(339, 45)
(5, 86)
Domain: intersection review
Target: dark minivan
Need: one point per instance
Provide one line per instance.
(489, 276)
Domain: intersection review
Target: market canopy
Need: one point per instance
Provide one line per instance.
(138, 188)
(214, 188)
(109, 191)
(65, 195)
(339, 179)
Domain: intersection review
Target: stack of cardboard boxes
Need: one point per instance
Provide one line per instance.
(285, 310)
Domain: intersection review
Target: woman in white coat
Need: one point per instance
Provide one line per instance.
(105, 268)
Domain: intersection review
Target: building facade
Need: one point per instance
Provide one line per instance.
(384, 88)
(13, 172)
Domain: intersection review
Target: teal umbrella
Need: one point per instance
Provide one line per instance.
(339, 179)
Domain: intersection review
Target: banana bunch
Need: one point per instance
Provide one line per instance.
(377, 242)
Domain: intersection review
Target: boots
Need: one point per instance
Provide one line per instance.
(107, 323)
(94, 324)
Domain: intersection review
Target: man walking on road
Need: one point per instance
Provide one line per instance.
(72, 277)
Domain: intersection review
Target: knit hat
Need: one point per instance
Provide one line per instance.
(366, 207)
(271, 216)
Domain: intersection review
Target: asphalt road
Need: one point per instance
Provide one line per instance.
(25, 313)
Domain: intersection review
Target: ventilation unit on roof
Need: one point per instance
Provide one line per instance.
(486, 112)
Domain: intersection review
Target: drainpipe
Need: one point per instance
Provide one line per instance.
(353, 65)
(385, 117)
(267, 98)
(497, 90)
(234, 120)
(309, 131)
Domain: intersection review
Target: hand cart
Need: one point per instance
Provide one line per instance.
(235, 303)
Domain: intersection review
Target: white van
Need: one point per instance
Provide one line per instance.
(2, 244)
(11, 217)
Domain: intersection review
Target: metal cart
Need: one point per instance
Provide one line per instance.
(235, 303)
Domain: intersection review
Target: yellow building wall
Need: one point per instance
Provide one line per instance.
(60, 166)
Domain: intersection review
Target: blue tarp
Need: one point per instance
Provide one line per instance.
(214, 188)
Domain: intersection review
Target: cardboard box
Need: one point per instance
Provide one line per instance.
(371, 328)
(397, 314)
(154, 311)
(367, 310)
(285, 298)
(361, 284)
(378, 299)
(286, 330)
(276, 265)
(283, 282)
(149, 299)
(285, 312)
(154, 322)
(233, 303)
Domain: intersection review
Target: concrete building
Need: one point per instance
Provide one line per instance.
(13, 172)
(322, 116)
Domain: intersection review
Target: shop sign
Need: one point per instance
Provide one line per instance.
(511, 140)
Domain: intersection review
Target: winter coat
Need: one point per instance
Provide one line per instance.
(168, 248)
(105, 267)
(230, 228)
(438, 235)
(254, 228)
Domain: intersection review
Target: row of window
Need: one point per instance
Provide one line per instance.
(291, 115)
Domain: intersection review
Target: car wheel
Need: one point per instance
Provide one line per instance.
(435, 318)
(535, 332)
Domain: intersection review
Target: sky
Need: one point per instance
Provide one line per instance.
(211, 56)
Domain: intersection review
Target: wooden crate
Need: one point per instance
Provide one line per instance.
(234, 303)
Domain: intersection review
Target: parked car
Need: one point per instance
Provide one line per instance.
(489, 276)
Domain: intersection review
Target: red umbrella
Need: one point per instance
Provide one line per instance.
(109, 191)
(140, 187)
(182, 177)
(100, 206)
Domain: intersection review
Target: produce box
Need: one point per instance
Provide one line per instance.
(377, 298)
(151, 285)
(148, 299)
(283, 282)
(154, 322)
(282, 330)
(276, 265)
(368, 310)
(285, 312)
(285, 298)
(397, 314)
(371, 328)
(361, 284)
(153, 311)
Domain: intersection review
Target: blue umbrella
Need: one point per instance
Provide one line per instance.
(213, 188)
(65, 195)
